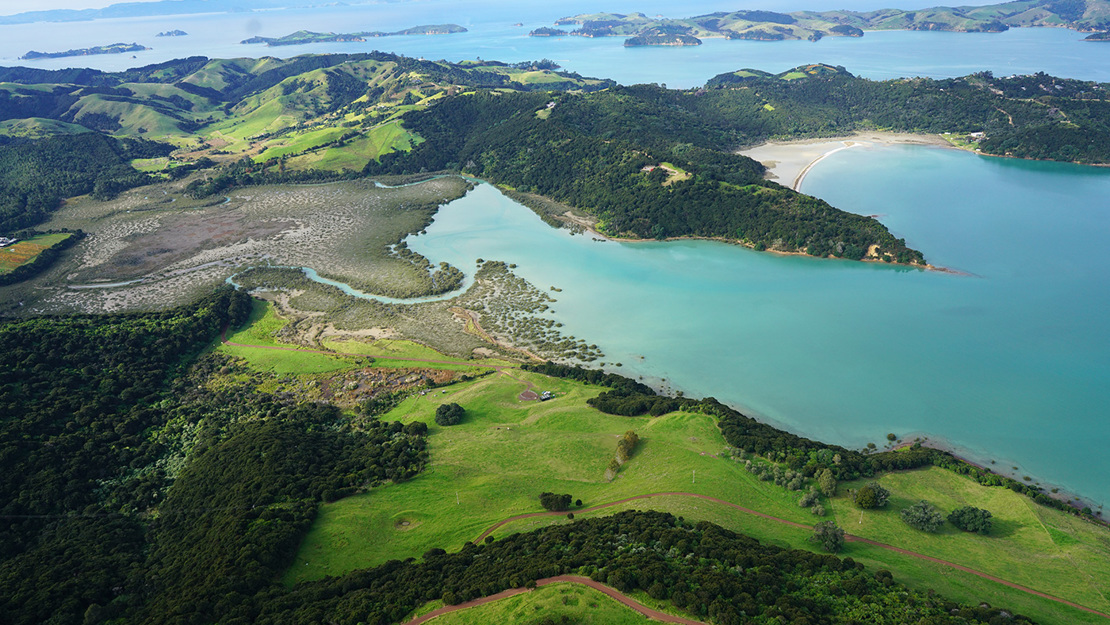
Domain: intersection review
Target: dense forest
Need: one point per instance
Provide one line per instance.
(36, 177)
(104, 422)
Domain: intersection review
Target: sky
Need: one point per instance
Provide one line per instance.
(9, 7)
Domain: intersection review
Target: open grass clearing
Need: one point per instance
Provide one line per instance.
(578, 603)
(1031, 545)
(506, 452)
(399, 349)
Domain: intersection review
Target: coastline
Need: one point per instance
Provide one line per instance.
(792, 160)
(1058, 492)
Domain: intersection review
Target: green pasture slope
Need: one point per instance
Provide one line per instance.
(259, 337)
(506, 452)
(494, 464)
(579, 604)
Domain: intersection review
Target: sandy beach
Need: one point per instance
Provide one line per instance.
(788, 162)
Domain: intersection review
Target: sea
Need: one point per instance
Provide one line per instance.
(1005, 360)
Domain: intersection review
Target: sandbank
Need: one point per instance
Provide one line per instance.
(788, 162)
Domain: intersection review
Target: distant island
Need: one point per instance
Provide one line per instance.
(1084, 16)
(544, 31)
(306, 36)
(115, 48)
(172, 33)
(654, 37)
(1098, 37)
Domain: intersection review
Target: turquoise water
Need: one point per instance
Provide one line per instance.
(492, 35)
(1007, 364)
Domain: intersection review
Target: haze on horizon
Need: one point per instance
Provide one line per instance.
(11, 7)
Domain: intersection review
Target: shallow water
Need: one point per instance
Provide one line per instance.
(1006, 364)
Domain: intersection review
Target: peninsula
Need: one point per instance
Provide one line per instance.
(115, 48)
(306, 36)
(1084, 16)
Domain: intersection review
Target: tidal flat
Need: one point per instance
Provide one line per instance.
(155, 247)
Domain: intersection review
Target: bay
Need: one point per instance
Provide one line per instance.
(493, 35)
(1007, 363)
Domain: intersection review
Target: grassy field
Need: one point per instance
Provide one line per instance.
(261, 332)
(494, 465)
(582, 605)
(401, 353)
(372, 144)
(27, 250)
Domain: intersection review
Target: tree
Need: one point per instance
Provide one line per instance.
(923, 516)
(555, 502)
(971, 519)
(871, 495)
(826, 481)
(449, 414)
(829, 535)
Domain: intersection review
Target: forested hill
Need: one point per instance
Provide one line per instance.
(644, 170)
(1030, 116)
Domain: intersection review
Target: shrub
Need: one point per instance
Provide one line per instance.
(449, 414)
(829, 535)
(807, 500)
(871, 495)
(971, 519)
(923, 516)
(826, 481)
(554, 502)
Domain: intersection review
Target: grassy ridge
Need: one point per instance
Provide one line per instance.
(506, 452)
(580, 604)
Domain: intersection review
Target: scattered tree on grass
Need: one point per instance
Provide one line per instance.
(449, 414)
(626, 445)
(923, 516)
(554, 502)
(829, 535)
(612, 469)
(971, 519)
(827, 482)
(871, 495)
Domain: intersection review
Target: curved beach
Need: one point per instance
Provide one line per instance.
(788, 162)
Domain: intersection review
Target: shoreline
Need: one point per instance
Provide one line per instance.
(1063, 494)
(792, 160)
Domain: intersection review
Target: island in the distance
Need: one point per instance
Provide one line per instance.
(1086, 16)
(661, 37)
(115, 48)
(172, 33)
(307, 36)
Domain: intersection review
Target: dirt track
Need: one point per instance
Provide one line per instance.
(574, 579)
